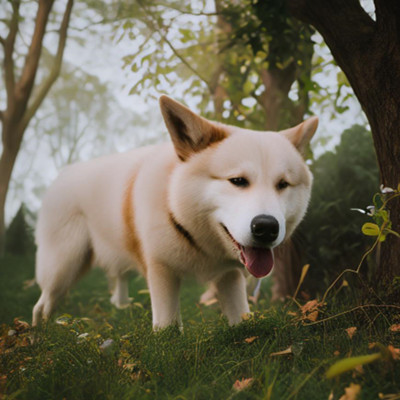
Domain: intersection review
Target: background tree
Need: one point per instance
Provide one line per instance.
(368, 51)
(23, 98)
(240, 67)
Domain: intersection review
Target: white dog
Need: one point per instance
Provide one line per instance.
(217, 198)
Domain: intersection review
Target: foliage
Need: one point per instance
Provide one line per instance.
(381, 215)
(250, 63)
(343, 180)
(113, 354)
(19, 234)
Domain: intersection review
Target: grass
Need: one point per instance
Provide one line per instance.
(90, 350)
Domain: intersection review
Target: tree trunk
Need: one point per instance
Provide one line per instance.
(7, 161)
(368, 52)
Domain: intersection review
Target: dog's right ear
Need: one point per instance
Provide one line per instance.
(189, 132)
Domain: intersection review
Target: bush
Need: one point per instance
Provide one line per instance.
(19, 234)
(344, 179)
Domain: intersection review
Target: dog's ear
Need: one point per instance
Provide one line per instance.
(301, 134)
(189, 132)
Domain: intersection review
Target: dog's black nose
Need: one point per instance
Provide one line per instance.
(265, 228)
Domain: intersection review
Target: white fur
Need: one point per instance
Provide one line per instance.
(82, 219)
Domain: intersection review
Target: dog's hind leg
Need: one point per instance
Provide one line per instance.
(62, 258)
(120, 297)
(231, 293)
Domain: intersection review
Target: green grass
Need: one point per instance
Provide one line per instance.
(65, 360)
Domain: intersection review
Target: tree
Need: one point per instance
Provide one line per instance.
(368, 51)
(23, 97)
(240, 66)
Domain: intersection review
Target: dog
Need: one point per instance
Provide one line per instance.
(215, 201)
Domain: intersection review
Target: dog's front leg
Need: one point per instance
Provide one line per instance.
(231, 292)
(164, 287)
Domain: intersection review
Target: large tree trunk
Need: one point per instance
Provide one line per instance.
(368, 52)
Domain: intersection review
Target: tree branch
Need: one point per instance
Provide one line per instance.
(55, 70)
(153, 27)
(8, 44)
(26, 82)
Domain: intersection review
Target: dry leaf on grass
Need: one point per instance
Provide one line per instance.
(351, 331)
(312, 316)
(251, 339)
(394, 352)
(310, 310)
(283, 352)
(351, 392)
(395, 328)
(309, 306)
(242, 384)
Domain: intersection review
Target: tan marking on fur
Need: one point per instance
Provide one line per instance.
(132, 242)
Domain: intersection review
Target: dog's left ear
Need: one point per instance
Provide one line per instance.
(301, 134)
(189, 132)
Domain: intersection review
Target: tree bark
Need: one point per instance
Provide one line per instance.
(368, 52)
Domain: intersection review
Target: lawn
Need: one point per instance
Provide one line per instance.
(90, 350)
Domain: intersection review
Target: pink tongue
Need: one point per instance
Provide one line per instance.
(258, 261)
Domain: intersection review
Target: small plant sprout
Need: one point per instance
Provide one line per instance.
(382, 225)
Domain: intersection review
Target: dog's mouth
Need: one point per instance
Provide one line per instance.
(258, 260)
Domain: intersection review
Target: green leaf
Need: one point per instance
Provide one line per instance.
(348, 364)
(370, 229)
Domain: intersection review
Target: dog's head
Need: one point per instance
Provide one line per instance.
(252, 187)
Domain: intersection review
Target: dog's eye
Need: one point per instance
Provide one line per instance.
(240, 182)
(282, 184)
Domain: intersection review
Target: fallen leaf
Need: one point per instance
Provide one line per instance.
(394, 396)
(242, 384)
(251, 339)
(312, 316)
(21, 326)
(309, 306)
(394, 352)
(336, 353)
(358, 370)
(351, 392)
(395, 328)
(247, 316)
(351, 331)
(283, 352)
(310, 310)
